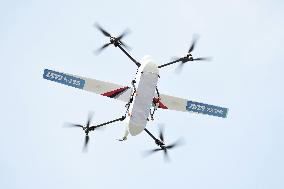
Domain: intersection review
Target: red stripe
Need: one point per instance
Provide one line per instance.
(161, 105)
(110, 93)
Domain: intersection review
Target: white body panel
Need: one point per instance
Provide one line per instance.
(173, 103)
(146, 79)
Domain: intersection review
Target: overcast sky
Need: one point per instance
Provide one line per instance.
(245, 39)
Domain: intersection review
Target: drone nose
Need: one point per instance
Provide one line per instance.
(135, 129)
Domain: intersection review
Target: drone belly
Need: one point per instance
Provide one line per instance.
(143, 99)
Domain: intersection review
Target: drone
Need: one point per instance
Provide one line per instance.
(142, 97)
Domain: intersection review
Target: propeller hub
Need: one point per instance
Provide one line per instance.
(86, 131)
(115, 41)
(160, 143)
(188, 55)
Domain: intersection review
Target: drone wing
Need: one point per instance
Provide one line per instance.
(179, 104)
(103, 88)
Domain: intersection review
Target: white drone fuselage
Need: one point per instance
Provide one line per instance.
(146, 82)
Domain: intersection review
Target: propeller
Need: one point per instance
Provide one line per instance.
(180, 66)
(194, 40)
(87, 128)
(116, 41)
(162, 146)
(188, 57)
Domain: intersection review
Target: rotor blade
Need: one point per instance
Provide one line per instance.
(161, 133)
(86, 142)
(195, 38)
(126, 46)
(73, 125)
(147, 153)
(179, 68)
(102, 48)
(176, 59)
(166, 156)
(126, 32)
(175, 144)
(102, 30)
(204, 58)
(90, 116)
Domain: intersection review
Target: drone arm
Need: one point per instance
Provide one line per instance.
(157, 141)
(106, 123)
(167, 64)
(129, 56)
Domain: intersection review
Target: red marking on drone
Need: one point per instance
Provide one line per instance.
(161, 105)
(114, 92)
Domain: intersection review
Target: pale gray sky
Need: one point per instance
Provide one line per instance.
(243, 151)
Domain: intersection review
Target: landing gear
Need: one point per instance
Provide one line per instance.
(131, 98)
(122, 139)
(156, 101)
